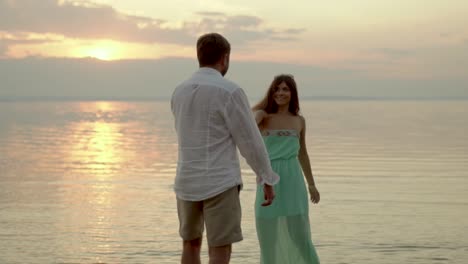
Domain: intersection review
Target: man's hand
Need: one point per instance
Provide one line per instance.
(269, 194)
(314, 194)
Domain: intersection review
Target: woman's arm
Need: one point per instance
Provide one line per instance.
(259, 116)
(305, 164)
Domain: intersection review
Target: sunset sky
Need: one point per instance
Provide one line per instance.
(401, 40)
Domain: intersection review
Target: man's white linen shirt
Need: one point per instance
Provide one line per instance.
(213, 117)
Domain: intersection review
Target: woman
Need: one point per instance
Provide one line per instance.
(283, 228)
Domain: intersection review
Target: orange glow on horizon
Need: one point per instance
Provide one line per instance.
(58, 46)
(102, 50)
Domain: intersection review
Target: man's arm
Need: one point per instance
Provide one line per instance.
(241, 123)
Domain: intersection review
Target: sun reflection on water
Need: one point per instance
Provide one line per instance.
(97, 146)
(96, 173)
(97, 151)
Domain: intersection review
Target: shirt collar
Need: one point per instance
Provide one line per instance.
(209, 71)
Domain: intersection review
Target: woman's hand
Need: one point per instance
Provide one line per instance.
(314, 194)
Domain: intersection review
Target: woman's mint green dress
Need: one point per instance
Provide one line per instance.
(283, 228)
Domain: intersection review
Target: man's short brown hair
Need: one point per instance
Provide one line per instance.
(211, 48)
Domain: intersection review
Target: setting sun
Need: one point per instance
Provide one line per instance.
(102, 50)
(101, 53)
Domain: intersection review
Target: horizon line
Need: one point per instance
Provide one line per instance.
(165, 98)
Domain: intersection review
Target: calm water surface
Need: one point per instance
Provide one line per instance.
(91, 182)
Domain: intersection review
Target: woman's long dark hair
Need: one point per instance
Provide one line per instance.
(269, 105)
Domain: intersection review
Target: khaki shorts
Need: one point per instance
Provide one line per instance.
(221, 214)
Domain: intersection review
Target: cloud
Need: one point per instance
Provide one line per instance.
(445, 35)
(8, 40)
(294, 31)
(23, 38)
(210, 14)
(87, 20)
(243, 21)
(242, 29)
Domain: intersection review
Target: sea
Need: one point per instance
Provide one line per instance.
(92, 182)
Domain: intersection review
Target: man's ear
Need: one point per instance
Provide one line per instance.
(226, 59)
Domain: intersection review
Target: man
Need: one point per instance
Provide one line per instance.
(212, 116)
